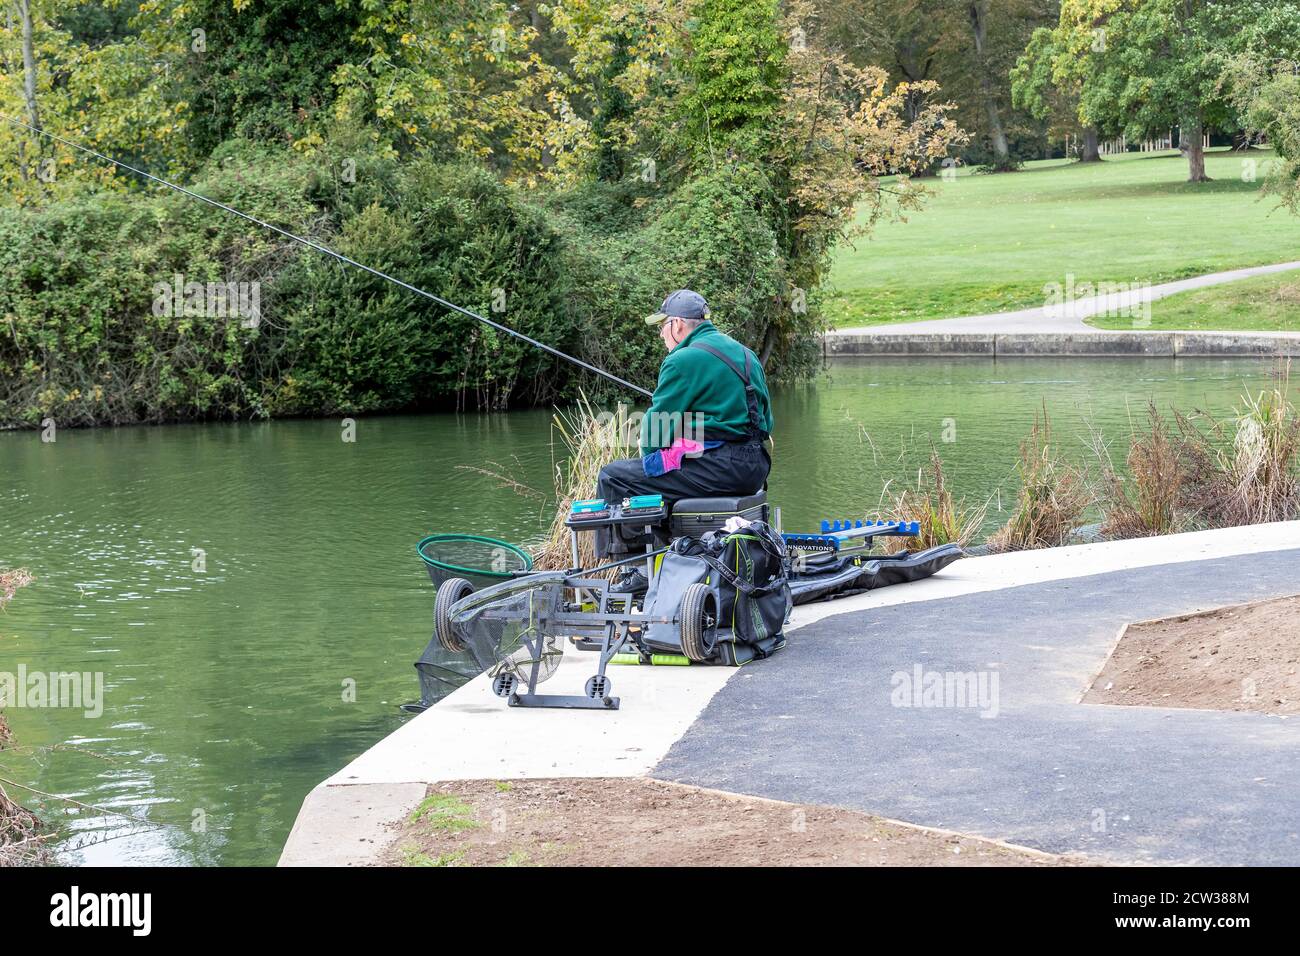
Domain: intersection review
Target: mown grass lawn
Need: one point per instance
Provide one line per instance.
(1268, 303)
(990, 243)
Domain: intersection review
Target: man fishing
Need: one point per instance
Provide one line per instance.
(709, 416)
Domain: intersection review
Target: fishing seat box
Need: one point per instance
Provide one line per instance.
(694, 517)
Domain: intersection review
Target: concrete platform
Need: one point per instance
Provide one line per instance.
(823, 732)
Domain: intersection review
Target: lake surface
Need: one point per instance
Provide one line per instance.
(227, 689)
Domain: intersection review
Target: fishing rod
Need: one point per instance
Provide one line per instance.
(311, 244)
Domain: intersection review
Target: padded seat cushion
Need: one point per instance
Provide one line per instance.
(731, 505)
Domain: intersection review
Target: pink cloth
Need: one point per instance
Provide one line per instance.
(680, 449)
(670, 459)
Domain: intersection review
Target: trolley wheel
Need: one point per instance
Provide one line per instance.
(449, 592)
(699, 622)
(598, 686)
(503, 685)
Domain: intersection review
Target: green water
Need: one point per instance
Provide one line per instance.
(225, 690)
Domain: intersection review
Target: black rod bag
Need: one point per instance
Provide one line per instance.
(747, 571)
(823, 577)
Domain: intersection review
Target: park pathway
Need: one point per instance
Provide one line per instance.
(1067, 318)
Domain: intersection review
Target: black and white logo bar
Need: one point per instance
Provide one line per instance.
(76, 909)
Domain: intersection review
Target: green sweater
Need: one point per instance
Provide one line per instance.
(693, 381)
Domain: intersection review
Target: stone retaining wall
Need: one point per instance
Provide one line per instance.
(1054, 344)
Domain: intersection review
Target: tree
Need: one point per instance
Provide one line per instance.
(262, 69)
(613, 110)
(125, 90)
(967, 46)
(986, 38)
(1035, 87)
(460, 78)
(1146, 66)
(102, 75)
(22, 27)
(978, 13)
(841, 129)
(902, 37)
(1262, 83)
(737, 69)
(622, 61)
(24, 9)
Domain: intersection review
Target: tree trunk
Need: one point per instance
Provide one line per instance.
(29, 64)
(906, 59)
(978, 12)
(1091, 152)
(769, 343)
(24, 11)
(1191, 136)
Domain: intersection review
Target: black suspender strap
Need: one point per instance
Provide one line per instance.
(755, 430)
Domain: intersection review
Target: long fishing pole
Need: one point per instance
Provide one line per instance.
(311, 244)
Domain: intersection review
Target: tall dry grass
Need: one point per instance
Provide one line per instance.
(1207, 472)
(587, 440)
(582, 440)
(1054, 494)
(1196, 472)
(930, 503)
(23, 836)
(1149, 499)
(1245, 469)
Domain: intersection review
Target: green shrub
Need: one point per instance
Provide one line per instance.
(84, 346)
(714, 235)
(737, 69)
(80, 340)
(265, 72)
(354, 342)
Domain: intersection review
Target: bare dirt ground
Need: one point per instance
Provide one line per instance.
(640, 822)
(1245, 657)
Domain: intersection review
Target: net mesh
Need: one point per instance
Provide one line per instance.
(492, 626)
(440, 672)
(509, 627)
(481, 561)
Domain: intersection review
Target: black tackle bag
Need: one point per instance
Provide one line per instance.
(747, 571)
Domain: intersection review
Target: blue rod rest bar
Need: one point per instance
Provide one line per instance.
(835, 533)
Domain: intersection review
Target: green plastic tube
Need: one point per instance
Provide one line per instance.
(663, 660)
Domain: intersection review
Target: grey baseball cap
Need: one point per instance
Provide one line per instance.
(682, 304)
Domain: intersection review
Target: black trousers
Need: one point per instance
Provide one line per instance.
(732, 469)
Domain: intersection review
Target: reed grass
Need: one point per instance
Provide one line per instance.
(930, 503)
(1149, 499)
(585, 440)
(22, 840)
(23, 836)
(1183, 472)
(1053, 496)
(1245, 469)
